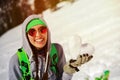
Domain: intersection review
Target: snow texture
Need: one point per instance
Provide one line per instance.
(96, 22)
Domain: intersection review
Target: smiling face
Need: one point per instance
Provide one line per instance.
(37, 36)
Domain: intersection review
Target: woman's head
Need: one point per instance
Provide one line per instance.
(37, 33)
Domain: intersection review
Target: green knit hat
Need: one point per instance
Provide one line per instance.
(34, 22)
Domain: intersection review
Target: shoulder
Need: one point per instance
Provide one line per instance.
(14, 68)
(14, 59)
(59, 50)
(58, 46)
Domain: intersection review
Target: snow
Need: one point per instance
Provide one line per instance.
(96, 22)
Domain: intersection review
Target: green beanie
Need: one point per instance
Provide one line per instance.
(34, 22)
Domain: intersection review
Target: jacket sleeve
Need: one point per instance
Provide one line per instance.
(61, 63)
(14, 70)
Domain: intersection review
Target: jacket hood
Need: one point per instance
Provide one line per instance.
(26, 44)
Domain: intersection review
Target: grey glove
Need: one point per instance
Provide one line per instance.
(71, 66)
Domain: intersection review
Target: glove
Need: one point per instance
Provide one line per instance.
(71, 66)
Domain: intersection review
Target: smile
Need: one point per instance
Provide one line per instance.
(39, 40)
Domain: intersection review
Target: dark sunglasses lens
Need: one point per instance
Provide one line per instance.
(32, 32)
(43, 30)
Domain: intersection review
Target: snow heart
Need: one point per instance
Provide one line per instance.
(76, 47)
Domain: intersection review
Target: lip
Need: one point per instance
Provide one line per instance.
(41, 40)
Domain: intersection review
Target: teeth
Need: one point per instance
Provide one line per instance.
(38, 40)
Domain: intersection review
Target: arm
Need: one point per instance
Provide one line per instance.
(85, 55)
(14, 70)
(61, 63)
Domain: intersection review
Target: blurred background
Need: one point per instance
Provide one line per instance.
(13, 12)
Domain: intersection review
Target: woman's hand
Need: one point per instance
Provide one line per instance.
(71, 66)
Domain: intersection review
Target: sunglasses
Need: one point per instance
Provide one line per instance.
(33, 32)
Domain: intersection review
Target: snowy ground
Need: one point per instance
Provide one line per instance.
(96, 21)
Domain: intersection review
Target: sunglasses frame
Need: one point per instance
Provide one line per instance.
(32, 32)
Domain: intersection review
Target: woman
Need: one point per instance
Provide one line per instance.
(34, 61)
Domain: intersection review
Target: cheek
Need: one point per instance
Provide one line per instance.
(46, 37)
(31, 40)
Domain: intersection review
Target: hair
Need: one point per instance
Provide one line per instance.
(35, 58)
(37, 52)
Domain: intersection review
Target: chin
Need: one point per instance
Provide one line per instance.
(39, 46)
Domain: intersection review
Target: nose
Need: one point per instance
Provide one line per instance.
(38, 33)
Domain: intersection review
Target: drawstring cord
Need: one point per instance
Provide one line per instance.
(46, 62)
(45, 75)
